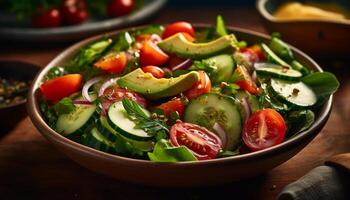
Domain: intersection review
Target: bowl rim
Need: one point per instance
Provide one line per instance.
(33, 109)
(261, 7)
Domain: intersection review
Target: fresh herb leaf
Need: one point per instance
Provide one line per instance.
(49, 114)
(54, 73)
(204, 65)
(220, 26)
(323, 84)
(64, 106)
(164, 152)
(229, 88)
(151, 29)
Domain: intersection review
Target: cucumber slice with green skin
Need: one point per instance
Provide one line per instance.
(299, 67)
(208, 109)
(107, 131)
(119, 120)
(294, 93)
(97, 141)
(270, 54)
(281, 49)
(279, 72)
(76, 122)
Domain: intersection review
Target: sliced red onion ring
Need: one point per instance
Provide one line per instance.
(106, 85)
(155, 38)
(87, 85)
(221, 133)
(184, 65)
(82, 102)
(246, 107)
(254, 76)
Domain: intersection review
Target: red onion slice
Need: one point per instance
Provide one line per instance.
(82, 102)
(184, 65)
(107, 84)
(221, 133)
(246, 107)
(87, 85)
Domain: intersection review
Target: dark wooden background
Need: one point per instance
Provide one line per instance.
(30, 168)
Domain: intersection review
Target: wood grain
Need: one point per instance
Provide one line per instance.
(31, 168)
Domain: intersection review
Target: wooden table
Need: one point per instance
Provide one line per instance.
(31, 168)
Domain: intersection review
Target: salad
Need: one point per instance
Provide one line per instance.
(176, 93)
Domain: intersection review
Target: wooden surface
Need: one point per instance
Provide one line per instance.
(31, 168)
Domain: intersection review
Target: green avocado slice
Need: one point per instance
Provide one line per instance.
(154, 88)
(180, 46)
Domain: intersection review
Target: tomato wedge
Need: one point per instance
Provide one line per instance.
(264, 129)
(174, 105)
(258, 51)
(60, 87)
(154, 70)
(203, 143)
(246, 83)
(113, 64)
(178, 27)
(201, 87)
(151, 54)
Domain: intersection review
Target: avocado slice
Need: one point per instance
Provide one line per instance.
(180, 46)
(154, 88)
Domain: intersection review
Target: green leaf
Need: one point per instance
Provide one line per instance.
(122, 42)
(151, 29)
(164, 152)
(322, 83)
(54, 73)
(49, 114)
(227, 153)
(298, 121)
(220, 26)
(64, 106)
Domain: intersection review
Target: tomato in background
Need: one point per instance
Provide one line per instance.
(203, 143)
(151, 54)
(74, 11)
(113, 64)
(264, 129)
(174, 105)
(117, 8)
(178, 27)
(47, 18)
(246, 83)
(202, 86)
(60, 87)
(154, 70)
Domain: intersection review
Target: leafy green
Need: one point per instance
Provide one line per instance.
(204, 65)
(154, 124)
(229, 88)
(151, 29)
(121, 42)
(299, 120)
(227, 153)
(49, 114)
(64, 106)
(205, 35)
(164, 152)
(220, 26)
(54, 72)
(322, 83)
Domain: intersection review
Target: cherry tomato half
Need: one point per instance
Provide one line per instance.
(178, 27)
(151, 54)
(174, 105)
(114, 94)
(113, 64)
(201, 87)
(60, 87)
(264, 129)
(46, 19)
(203, 143)
(258, 51)
(246, 83)
(118, 8)
(154, 70)
(74, 11)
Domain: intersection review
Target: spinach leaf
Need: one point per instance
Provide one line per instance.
(54, 72)
(64, 106)
(298, 121)
(164, 152)
(49, 114)
(322, 83)
(220, 26)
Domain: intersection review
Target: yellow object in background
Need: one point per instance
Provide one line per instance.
(298, 11)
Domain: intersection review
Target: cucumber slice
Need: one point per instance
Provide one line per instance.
(118, 118)
(75, 122)
(270, 54)
(294, 93)
(208, 109)
(279, 72)
(97, 141)
(107, 131)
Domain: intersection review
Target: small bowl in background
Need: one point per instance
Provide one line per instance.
(322, 38)
(12, 113)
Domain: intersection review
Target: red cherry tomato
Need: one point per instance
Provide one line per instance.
(151, 54)
(113, 64)
(74, 11)
(246, 83)
(174, 105)
(117, 8)
(178, 27)
(258, 51)
(264, 129)
(201, 87)
(114, 94)
(154, 70)
(60, 87)
(203, 143)
(47, 19)
(140, 39)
